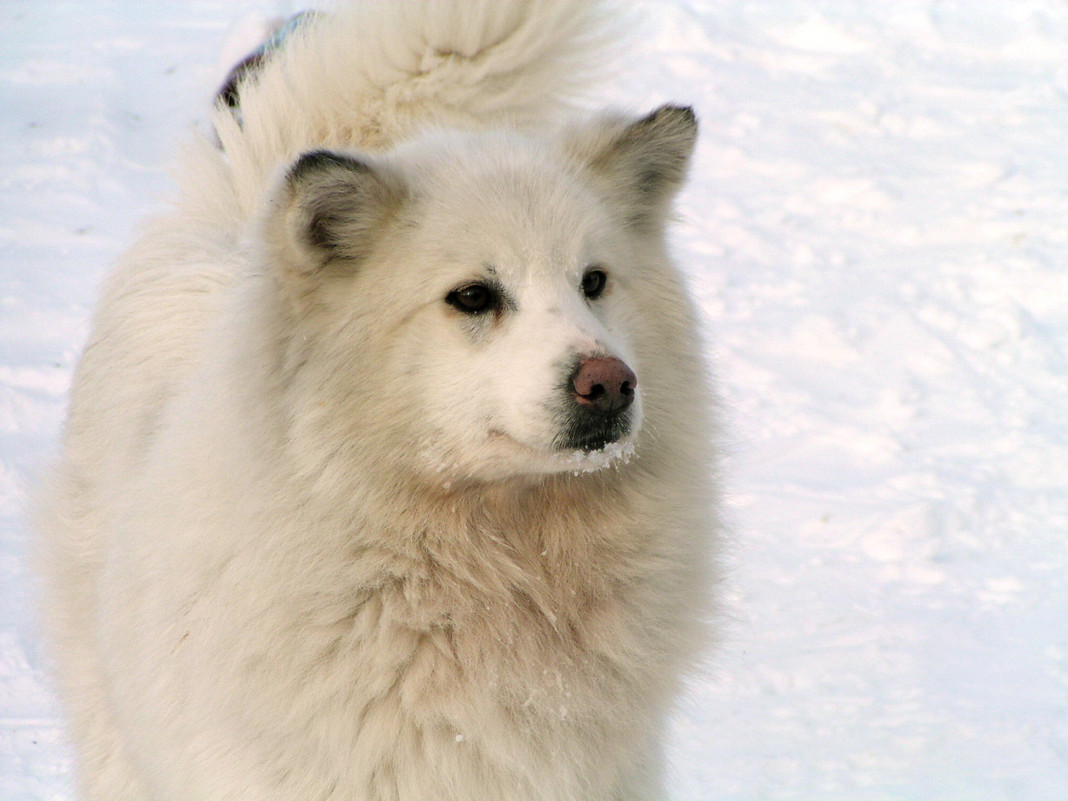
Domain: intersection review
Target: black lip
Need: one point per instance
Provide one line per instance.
(591, 432)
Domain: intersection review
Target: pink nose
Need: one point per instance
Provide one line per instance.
(604, 384)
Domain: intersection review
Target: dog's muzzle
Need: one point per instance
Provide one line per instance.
(600, 393)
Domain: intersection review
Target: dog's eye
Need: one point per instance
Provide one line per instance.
(593, 282)
(474, 299)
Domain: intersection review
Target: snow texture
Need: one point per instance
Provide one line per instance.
(875, 232)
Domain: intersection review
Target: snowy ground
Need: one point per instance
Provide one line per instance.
(876, 231)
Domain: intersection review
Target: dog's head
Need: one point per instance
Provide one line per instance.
(479, 303)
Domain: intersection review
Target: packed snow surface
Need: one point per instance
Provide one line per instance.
(876, 234)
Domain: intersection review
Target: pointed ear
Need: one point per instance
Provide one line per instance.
(639, 164)
(327, 215)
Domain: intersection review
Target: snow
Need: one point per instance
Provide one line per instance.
(875, 232)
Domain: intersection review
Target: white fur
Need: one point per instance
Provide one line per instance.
(312, 535)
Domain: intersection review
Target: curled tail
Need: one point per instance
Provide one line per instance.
(370, 73)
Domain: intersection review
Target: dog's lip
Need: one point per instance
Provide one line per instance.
(572, 458)
(496, 434)
(540, 455)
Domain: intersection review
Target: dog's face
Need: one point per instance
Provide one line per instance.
(523, 347)
(481, 293)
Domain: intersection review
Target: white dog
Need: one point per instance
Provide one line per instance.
(387, 470)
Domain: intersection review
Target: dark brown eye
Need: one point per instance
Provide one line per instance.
(593, 283)
(474, 299)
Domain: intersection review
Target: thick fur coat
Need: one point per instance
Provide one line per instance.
(387, 473)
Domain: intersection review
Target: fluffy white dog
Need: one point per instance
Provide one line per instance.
(387, 470)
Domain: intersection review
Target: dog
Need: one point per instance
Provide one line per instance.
(388, 470)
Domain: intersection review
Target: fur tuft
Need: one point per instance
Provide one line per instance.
(372, 73)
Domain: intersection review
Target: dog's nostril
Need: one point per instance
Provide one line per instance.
(604, 384)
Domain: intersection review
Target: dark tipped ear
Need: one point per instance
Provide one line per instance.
(640, 164)
(329, 211)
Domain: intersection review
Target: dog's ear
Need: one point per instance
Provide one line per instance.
(639, 165)
(327, 215)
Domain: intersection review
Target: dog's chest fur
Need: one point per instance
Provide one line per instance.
(475, 645)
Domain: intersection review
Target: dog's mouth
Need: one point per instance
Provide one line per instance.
(578, 449)
(611, 454)
(593, 431)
